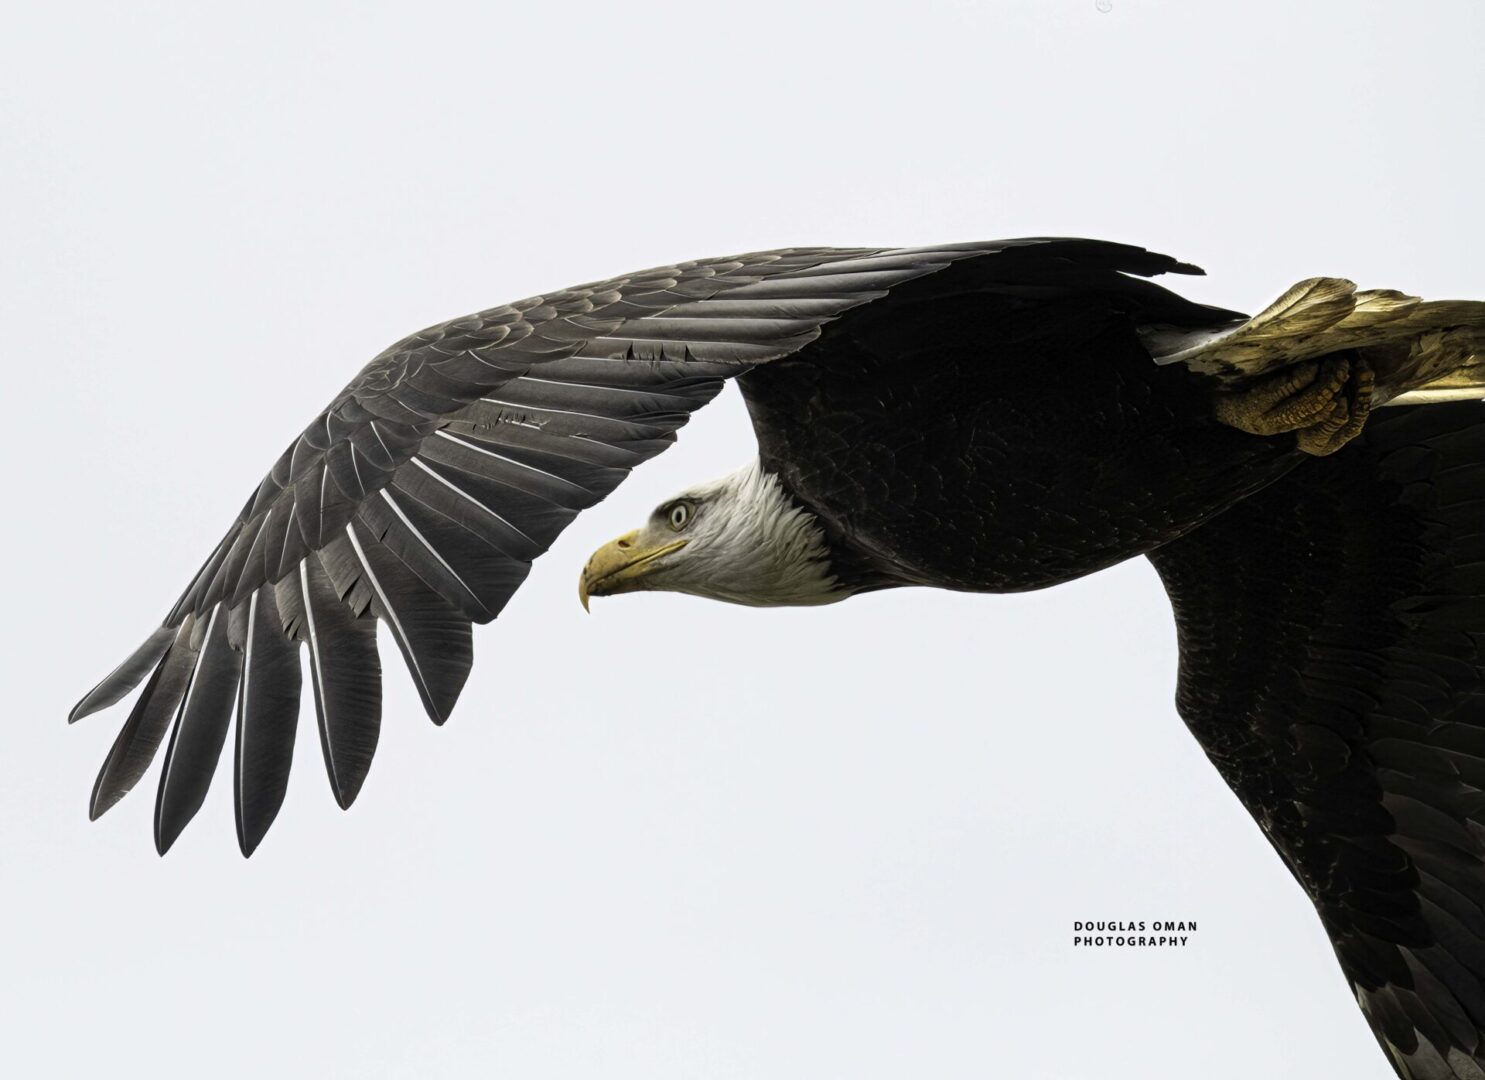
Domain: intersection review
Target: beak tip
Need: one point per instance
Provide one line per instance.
(618, 565)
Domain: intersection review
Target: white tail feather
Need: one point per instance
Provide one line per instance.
(1420, 351)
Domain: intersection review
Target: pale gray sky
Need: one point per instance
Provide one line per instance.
(675, 839)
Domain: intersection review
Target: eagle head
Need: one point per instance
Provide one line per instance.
(741, 539)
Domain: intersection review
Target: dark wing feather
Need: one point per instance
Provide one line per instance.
(118, 682)
(1332, 633)
(199, 732)
(267, 714)
(422, 493)
(142, 733)
(345, 674)
(434, 638)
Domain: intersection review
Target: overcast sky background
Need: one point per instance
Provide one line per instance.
(675, 839)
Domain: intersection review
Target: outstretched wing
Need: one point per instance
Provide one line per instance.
(1332, 636)
(421, 494)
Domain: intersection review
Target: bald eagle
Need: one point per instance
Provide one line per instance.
(984, 417)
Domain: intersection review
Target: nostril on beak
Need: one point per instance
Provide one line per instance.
(626, 543)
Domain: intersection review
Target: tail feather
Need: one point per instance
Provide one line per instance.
(1413, 346)
(1465, 384)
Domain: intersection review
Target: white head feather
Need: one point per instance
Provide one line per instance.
(748, 542)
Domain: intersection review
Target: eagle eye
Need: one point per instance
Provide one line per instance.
(679, 516)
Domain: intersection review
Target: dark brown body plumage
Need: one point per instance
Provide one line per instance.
(963, 435)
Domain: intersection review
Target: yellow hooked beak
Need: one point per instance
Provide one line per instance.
(617, 565)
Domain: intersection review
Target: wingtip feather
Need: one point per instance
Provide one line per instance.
(118, 682)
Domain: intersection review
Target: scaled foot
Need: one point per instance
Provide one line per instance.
(1325, 402)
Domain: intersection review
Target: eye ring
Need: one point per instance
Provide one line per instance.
(679, 516)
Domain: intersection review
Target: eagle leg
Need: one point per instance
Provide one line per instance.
(1324, 401)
